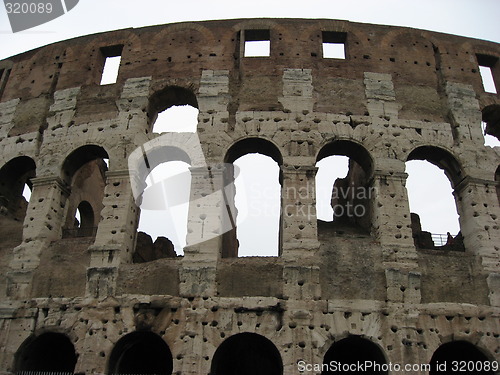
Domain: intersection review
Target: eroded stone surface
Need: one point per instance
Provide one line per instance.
(400, 94)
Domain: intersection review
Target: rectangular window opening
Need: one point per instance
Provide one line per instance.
(487, 64)
(334, 45)
(257, 43)
(488, 81)
(112, 58)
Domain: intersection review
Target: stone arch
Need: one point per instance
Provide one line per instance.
(49, 351)
(491, 116)
(441, 158)
(87, 216)
(351, 149)
(14, 175)
(168, 97)
(451, 167)
(84, 171)
(238, 149)
(141, 352)
(345, 192)
(79, 157)
(157, 154)
(247, 353)
(351, 350)
(252, 145)
(184, 147)
(168, 147)
(459, 351)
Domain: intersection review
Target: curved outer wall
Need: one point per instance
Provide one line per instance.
(398, 90)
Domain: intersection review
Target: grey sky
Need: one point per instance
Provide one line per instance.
(477, 18)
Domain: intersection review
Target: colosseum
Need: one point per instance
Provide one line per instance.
(370, 293)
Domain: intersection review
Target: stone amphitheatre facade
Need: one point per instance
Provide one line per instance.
(75, 298)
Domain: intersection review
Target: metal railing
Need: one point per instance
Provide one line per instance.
(439, 239)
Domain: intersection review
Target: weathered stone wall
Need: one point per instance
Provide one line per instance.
(400, 94)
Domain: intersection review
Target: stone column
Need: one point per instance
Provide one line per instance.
(115, 236)
(391, 225)
(206, 224)
(479, 212)
(42, 224)
(298, 236)
(298, 211)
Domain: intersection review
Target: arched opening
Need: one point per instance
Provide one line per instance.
(343, 194)
(491, 121)
(432, 175)
(164, 212)
(348, 352)
(173, 109)
(489, 140)
(15, 185)
(163, 201)
(178, 118)
(51, 352)
(255, 200)
(459, 357)
(330, 169)
(247, 354)
(141, 353)
(497, 179)
(80, 157)
(84, 219)
(84, 170)
(27, 192)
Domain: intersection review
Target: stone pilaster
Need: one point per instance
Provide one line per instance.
(298, 235)
(42, 224)
(479, 214)
(298, 210)
(392, 228)
(207, 221)
(115, 236)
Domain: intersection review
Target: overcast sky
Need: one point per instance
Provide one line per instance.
(471, 18)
